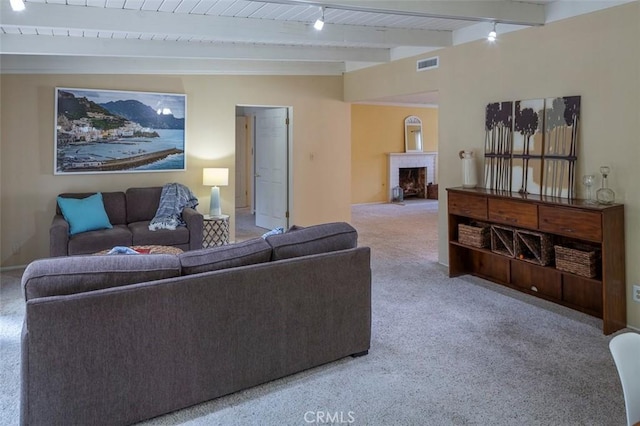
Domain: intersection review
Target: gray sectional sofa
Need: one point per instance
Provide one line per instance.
(130, 213)
(117, 339)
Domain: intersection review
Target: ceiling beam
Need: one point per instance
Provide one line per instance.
(84, 46)
(218, 28)
(505, 12)
(37, 64)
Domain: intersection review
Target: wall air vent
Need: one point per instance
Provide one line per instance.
(427, 64)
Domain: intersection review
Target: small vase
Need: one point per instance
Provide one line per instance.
(469, 175)
(605, 195)
(588, 181)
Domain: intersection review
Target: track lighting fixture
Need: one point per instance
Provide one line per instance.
(492, 34)
(17, 5)
(320, 21)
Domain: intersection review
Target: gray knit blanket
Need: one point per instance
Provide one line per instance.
(173, 199)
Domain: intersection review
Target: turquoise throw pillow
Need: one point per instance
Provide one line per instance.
(84, 214)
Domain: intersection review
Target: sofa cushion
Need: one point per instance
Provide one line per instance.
(141, 235)
(78, 274)
(84, 214)
(94, 241)
(142, 203)
(114, 205)
(315, 239)
(247, 252)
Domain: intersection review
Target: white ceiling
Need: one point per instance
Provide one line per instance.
(251, 37)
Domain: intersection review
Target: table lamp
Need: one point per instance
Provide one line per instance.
(215, 177)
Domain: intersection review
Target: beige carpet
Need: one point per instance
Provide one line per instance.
(444, 351)
(246, 225)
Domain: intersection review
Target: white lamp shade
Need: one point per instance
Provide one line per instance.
(215, 177)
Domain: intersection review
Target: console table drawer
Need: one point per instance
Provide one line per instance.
(581, 224)
(468, 205)
(513, 213)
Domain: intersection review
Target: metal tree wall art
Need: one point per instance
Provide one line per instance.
(527, 146)
(562, 119)
(498, 145)
(531, 146)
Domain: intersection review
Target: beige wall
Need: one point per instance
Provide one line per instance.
(596, 56)
(321, 147)
(375, 131)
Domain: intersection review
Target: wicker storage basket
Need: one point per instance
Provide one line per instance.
(534, 247)
(502, 240)
(578, 260)
(476, 234)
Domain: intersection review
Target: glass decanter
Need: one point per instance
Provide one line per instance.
(605, 195)
(588, 181)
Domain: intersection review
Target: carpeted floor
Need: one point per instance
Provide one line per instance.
(444, 351)
(246, 225)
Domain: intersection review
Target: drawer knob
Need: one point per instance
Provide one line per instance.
(534, 288)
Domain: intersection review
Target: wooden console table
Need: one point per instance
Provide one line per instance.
(598, 226)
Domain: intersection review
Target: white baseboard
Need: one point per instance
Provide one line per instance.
(370, 204)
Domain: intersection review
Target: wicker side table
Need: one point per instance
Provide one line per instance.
(215, 231)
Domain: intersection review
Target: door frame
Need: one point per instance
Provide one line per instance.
(242, 164)
(289, 162)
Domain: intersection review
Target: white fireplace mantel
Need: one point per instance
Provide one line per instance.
(398, 160)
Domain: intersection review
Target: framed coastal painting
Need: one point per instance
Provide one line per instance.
(110, 131)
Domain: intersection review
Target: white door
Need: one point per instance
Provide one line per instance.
(271, 153)
(241, 162)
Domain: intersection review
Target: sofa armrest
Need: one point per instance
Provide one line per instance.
(59, 237)
(194, 221)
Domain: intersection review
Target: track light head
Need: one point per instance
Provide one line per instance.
(320, 21)
(492, 34)
(17, 5)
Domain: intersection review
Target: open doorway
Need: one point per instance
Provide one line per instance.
(263, 175)
(385, 166)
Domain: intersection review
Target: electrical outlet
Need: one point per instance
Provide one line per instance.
(636, 293)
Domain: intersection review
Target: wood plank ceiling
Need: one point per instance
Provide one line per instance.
(243, 36)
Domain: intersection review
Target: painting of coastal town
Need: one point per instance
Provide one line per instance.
(109, 131)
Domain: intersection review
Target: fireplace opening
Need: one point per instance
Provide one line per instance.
(413, 181)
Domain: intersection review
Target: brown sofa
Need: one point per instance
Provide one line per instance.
(116, 339)
(130, 213)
